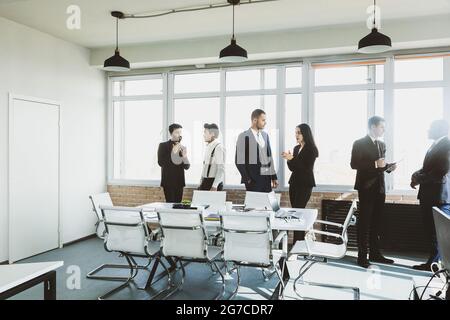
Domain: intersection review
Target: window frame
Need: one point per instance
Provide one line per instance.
(111, 180)
(307, 91)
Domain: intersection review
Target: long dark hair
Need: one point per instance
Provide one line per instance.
(308, 138)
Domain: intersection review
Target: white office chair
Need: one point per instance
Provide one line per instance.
(316, 251)
(214, 199)
(184, 238)
(104, 199)
(257, 200)
(248, 242)
(126, 232)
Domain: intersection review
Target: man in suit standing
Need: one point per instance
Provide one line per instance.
(368, 155)
(254, 156)
(172, 158)
(434, 181)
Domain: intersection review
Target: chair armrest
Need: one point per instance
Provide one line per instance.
(281, 236)
(329, 223)
(325, 233)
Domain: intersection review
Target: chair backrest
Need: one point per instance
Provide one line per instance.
(101, 199)
(442, 225)
(257, 200)
(349, 220)
(247, 237)
(183, 233)
(215, 199)
(125, 230)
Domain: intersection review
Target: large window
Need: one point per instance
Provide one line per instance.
(334, 98)
(345, 96)
(418, 100)
(138, 114)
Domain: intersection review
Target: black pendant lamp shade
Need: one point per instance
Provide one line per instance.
(117, 62)
(375, 41)
(233, 52)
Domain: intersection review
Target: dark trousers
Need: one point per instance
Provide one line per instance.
(371, 205)
(207, 184)
(299, 197)
(263, 183)
(426, 209)
(173, 194)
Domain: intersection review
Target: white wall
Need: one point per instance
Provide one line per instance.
(38, 65)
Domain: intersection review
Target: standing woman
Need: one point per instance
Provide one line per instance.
(301, 163)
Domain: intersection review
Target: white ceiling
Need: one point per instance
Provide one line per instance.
(97, 26)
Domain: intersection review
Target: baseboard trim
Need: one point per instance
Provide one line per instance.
(79, 240)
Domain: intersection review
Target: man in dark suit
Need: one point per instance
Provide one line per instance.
(368, 155)
(434, 184)
(172, 158)
(254, 156)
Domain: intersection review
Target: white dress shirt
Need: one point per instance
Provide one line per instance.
(259, 138)
(217, 170)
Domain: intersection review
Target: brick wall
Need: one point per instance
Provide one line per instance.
(138, 195)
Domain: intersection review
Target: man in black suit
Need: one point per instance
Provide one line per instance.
(172, 158)
(434, 184)
(254, 156)
(368, 155)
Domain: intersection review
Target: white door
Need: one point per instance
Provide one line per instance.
(34, 160)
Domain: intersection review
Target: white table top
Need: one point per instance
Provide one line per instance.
(308, 217)
(15, 274)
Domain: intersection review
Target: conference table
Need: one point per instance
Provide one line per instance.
(305, 222)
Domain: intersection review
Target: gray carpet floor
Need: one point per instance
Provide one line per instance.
(380, 282)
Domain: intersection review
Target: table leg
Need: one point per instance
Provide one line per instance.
(50, 286)
(284, 270)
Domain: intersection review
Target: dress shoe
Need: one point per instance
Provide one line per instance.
(381, 259)
(422, 267)
(364, 263)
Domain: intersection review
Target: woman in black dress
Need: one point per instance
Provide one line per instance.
(301, 163)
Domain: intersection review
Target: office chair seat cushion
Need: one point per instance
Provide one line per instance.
(319, 249)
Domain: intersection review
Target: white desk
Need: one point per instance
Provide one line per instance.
(308, 217)
(305, 223)
(16, 278)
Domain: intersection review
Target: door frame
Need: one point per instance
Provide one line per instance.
(11, 98)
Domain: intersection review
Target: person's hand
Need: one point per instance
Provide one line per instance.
(381, 163)
(183, 151)
(287, 155)
(274, 184)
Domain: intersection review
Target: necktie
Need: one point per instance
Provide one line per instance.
(378, 148)
(260, 142)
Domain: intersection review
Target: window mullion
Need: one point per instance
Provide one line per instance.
(389, 116)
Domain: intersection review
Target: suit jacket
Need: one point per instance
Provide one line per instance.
(302, 166)
(251, 160)
(172, 167)
(364, 155)
(434, 178)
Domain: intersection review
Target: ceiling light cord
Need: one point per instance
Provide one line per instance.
(233, 37)
(117, 34)
(375, 14)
